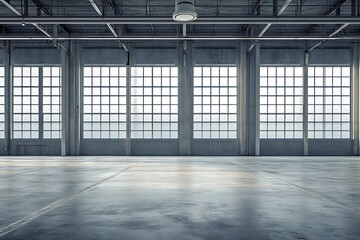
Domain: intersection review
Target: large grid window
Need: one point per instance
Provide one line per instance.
(26, 102)
(51, 102)
(215, 102)
(154, 102)
(104, 102)
(30, 85)
(329, 102)
(281, 102)
(2, 102)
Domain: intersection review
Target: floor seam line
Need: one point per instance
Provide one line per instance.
(34, 215)
(20, 173)
(298, 186)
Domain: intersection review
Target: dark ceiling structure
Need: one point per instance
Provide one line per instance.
(152, 20)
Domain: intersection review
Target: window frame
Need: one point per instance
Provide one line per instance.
(231, 125)
(121, 124)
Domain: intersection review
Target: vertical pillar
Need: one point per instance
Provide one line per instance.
(275, 7)
(254, 111)
(257, 99)
(185, 99)
(128, 105)
(355, 98)
(41, 110)
(253, 108)
(78, 90)
(65, 101)
(74, 97)
(8, 102)
(353, 7)
(305, 103)
(26, 8)
(242, 130)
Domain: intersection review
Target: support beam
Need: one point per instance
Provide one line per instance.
(255, 10)
(112, 30)
(242, 99)
(96, 7)
(115, 7)
(305, 103)
(8, 77)
(65, 106)
(185, 97)
(331, 35)
(356, 98)
(128, 107)
(14, 10)
(26, 8)
(255, 20)
(42, 9)
(275, 7)
(278, 13)
(328, 13)
(40, 6)
(353, 7)
(177, 38)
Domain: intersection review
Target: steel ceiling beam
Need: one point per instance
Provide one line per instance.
(112, 30)
(328, 13)
(255, 9)
(339, 29)
(258, 20)
(46, 12)
(268, 25)
(181, 38)
(41, 29)
(331, 35)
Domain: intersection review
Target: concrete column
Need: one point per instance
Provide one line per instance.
(8, 101)
(74, 98)
(65, 104)
(355, 98)
(253, 108)
(128, 106)
(305, 103)
(257, 99)
(185, 98)
(242, 86)
(41, 115)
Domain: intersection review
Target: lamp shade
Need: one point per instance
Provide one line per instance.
(184, 11)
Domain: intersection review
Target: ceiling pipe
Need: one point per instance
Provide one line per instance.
(259, 20)
(178, 38)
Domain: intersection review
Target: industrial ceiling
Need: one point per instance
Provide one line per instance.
(152, 19)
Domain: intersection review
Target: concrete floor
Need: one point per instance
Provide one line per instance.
(180, 198)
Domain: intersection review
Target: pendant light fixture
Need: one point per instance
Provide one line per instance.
(184, 11)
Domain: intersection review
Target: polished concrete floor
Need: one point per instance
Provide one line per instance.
(180, 198)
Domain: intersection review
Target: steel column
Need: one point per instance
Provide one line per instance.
(242, 99)
(305, 103)
(355, 98)
(8, 100)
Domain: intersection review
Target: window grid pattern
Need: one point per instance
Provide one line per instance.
(52, 102)
(26, 102)
(2, 102)
(215, 103)
(104, 102)
(281, 102)
(329, 97)
(154, 102)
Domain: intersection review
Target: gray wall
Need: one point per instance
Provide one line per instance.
(185, 56)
